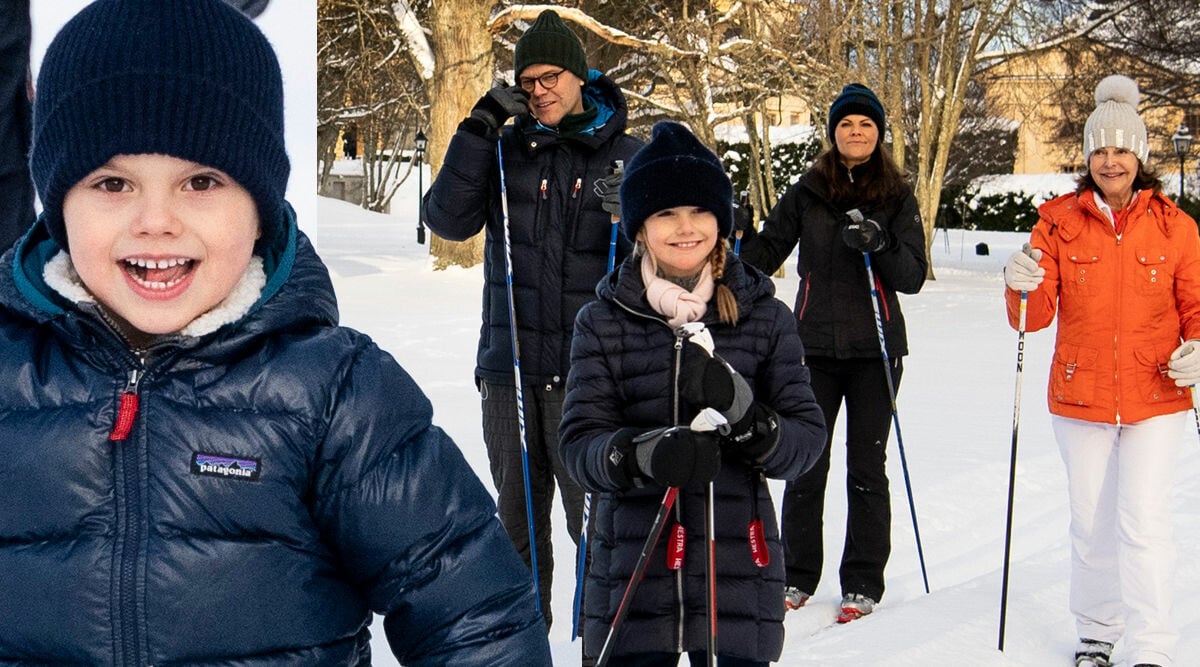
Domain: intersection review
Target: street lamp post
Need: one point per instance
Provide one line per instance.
(1183, 143)
(421, 142)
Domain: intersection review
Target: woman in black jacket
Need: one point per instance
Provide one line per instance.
(681, 326)
(837, 324)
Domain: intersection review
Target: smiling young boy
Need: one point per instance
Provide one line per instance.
(197, 464)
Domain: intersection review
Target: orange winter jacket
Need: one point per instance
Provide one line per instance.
(1124, 304)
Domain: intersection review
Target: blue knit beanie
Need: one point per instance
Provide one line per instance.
(674, 169)
(193, 79)
(856, 98)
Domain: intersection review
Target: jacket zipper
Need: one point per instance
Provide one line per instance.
(679, 500)
(674, 420)
(127, 408)
(131, 530)
(887, 315)
(804, 302)
(1117, 337)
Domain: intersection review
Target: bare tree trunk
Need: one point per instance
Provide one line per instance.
(462, 47)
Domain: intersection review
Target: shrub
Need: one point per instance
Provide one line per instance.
(788, 161)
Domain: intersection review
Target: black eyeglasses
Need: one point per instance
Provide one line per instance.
(548, 81)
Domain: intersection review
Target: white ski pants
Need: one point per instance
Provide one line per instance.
(1122, 553)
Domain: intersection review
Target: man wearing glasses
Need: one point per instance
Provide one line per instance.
(569, 127)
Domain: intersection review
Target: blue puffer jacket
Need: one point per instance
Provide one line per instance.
(279, 480)
(559, 234)
(623, 374)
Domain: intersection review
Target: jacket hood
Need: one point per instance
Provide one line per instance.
(298, 291)
(624, 286)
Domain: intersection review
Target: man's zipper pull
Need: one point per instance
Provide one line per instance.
(578, 185)
(543, 188)
(127, 409)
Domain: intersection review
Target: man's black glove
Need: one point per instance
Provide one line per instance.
(609, 190)
(864, 234)
(498, 105)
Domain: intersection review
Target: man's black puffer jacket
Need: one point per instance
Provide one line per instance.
(560, 235)
(624, 374)
(279, 480)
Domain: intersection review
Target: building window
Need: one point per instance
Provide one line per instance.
(1191, 118)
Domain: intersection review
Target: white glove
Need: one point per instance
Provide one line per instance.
(1021, 272)
(1184, 366)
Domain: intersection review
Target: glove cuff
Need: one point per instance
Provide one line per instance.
(622, 459)
(478, 128)
(756, 436)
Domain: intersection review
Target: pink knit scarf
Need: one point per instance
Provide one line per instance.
(674, 302)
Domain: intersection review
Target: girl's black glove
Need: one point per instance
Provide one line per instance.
(672, 456)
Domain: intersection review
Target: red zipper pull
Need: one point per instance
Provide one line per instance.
(675, 546)
(127, 409)
(578, 185)
(754, 532)
(543, 188)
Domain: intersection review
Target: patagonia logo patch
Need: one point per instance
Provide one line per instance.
(217, 465)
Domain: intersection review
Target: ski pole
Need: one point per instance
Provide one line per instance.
(618, 166)
(1195, 410)
(580, 565)
(737, 235)
(639, 569)
(1012, 467)
(516, 354)
(855, 215)
(710, 576)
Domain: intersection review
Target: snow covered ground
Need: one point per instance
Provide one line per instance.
(955, 407)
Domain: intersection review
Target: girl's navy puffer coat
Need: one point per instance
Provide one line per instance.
(623, 374)
(280, 481)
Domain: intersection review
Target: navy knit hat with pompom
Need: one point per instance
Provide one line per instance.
(674, 169)
(193, 79)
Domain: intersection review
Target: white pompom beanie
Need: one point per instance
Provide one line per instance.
(1115, 122)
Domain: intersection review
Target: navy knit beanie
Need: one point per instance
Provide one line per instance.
(674, 169)
(550, 42)
(856, 98)
(193, 79)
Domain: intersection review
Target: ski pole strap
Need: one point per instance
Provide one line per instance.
(754, 532)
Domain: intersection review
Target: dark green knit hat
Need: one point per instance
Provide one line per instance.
(549, 41)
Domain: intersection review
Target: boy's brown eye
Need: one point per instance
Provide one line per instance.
(113, 184)
(202, 183)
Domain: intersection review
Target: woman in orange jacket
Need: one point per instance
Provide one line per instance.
(1120, 263)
